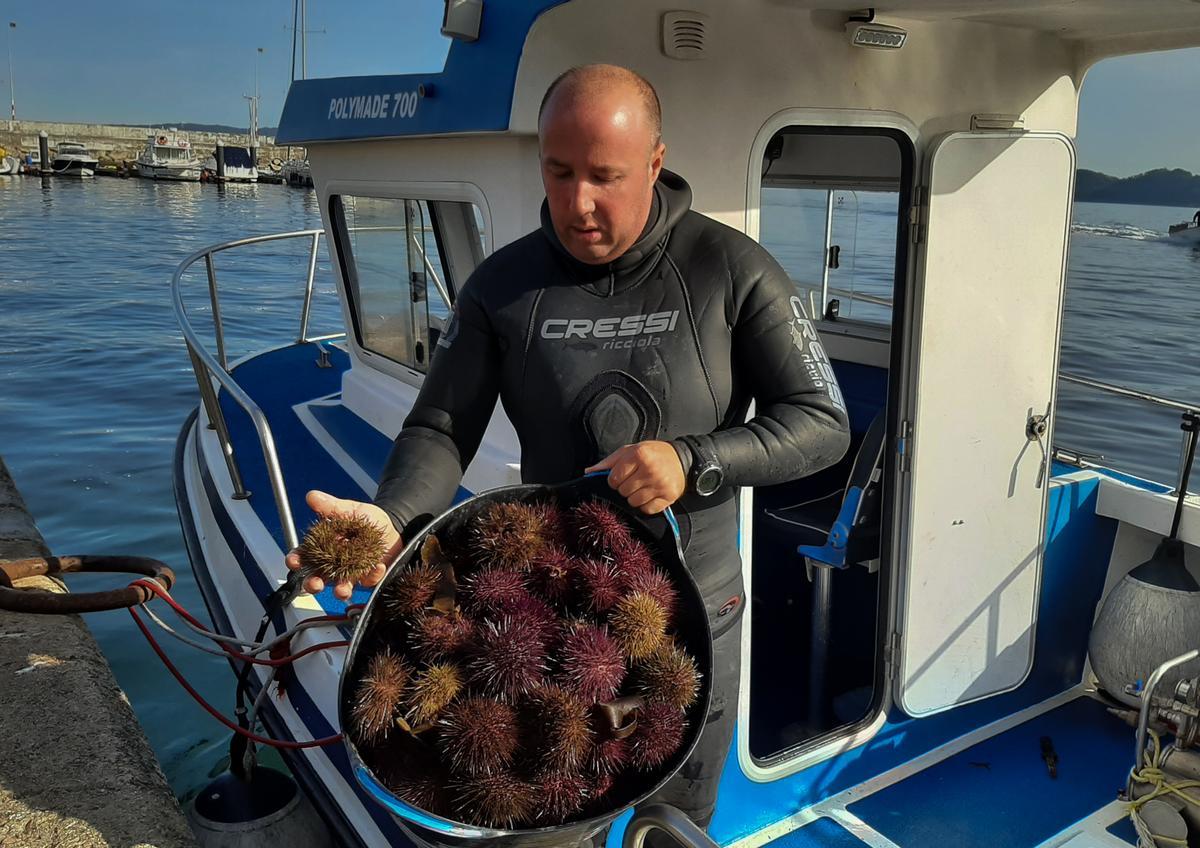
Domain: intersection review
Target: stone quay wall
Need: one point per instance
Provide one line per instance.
(113, 144)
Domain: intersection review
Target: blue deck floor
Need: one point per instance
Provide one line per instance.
(999, 794)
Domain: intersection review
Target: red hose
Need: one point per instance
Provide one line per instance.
(262, 740)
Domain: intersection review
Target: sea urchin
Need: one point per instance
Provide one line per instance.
(509, 658)
(432, 690)
(379, 694)
(591, 661)
(669, 675)
(658, 736)
(341, 547)
(640, 624)
(510, 535)
(478, 735)
(598, 527)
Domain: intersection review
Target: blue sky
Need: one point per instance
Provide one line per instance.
(137, 61)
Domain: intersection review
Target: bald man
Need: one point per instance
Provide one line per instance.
(629, 333)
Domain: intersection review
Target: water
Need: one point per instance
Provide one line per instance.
(95, 381)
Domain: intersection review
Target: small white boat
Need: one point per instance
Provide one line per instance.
(168, 157)
(1185, 232)
(72, 159)
(9, 165)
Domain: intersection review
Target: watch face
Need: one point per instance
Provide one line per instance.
(708, 481)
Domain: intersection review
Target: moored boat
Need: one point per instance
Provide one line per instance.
(168, 156)
(72, 159)
(915, 666)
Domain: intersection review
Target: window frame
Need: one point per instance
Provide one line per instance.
(453, 264)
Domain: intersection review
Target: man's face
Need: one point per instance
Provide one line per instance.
(599, 164)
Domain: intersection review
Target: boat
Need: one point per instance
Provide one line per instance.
(1185, 232)
(296, 172)
(9, 165)
(168, 156)
(31, 162)
(72, 159)
(240, 166)
(920, 676)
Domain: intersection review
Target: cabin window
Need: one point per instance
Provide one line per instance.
(401, 260)
(829, 212)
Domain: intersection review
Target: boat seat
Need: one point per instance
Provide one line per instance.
(842, 527)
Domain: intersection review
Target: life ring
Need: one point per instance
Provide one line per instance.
(276, 163)
(33, 601)
(162, 139)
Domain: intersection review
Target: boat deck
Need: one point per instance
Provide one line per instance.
(974, 776)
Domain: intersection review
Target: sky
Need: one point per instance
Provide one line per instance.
(152, 62)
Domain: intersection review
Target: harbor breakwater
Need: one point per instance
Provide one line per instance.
(116, 144)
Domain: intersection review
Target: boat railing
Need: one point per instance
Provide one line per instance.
(1189, 417)
(208, 366)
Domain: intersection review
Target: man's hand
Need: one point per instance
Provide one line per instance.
(648, 474)
(325, 505)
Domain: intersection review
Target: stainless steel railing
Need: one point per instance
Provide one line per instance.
(208, 368)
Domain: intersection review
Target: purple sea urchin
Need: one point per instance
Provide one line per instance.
(599, 528)
(602, 784)
(495, 800)
(610, 756)
(632, 559)
(478, 735)
(379, 694)
(561, 794)
(510, 535)
(411, 590)
(639, 624)
(669, 675)
(494, 591)
(592, 663)
(558, 728)
(341, 547)
(658, 736)
(538, 616)
(600, 585)
(552, 573)
(435, 636)
(553, 521)
(432, 690)
(509, 658)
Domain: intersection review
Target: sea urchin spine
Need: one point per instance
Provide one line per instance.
(379, 694)
(341, 547)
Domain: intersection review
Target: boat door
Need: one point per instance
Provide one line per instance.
(993, 229)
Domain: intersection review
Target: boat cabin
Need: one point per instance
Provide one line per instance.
(911, 167)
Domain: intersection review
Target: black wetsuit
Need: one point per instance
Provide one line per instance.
(674, 338)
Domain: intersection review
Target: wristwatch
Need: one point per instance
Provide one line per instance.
(705, 475)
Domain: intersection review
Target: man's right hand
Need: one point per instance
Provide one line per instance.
(325, 505)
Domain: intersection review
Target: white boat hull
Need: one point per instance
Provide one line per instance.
(73, 167)
(182, 173)
(1190, 235)
(9, 165)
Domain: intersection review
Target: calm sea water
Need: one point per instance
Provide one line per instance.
(95, 381)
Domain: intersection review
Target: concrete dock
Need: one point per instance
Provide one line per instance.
(75, 769)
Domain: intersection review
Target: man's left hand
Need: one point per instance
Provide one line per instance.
(648, 474)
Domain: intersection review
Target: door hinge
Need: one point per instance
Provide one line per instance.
(904, 446)
(891, 655)
(918, 214)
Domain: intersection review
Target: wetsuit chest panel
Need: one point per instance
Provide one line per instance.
(608, 371)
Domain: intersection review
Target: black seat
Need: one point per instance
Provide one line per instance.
(841, 528)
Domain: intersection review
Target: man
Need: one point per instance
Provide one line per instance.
(629, 334)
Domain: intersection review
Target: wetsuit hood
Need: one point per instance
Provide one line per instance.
(671, 201)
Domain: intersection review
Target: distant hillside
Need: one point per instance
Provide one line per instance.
(212, 128)
(1160, 187)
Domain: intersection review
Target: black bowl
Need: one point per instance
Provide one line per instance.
(661, 535)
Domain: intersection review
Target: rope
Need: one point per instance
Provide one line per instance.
(1154, 776)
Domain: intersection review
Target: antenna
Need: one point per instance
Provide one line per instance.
(300, 27)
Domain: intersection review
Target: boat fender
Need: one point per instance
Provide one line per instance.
(266, 811)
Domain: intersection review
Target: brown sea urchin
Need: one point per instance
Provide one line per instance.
(379, 694)
(639, 624)
(411, 590)
(341, 547)
(669, 675)
(559, 729)
(496, 800)
(591, 662)
(657, 585)
(478, 735)
(509, 657)
(432, 690)
(435, 636)
(509, 535)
